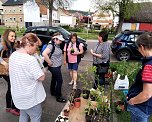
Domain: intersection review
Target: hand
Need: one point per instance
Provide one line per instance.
(50, 64)
(91, 51)
(131, 102)
(5, 65)
(65, 62)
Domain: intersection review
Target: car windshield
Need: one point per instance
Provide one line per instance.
(64, 32)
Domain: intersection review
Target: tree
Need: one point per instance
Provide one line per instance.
(121, 8)
(49, 4)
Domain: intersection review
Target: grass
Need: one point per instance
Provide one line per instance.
(18, 33)
(93, 36)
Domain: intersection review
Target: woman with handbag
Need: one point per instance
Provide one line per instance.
(101, 58)
(7, 47)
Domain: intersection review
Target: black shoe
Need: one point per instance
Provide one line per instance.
(53, 94)
(61, 99)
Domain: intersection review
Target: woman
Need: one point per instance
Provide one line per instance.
(139, 96)
(7, 46)
(26, 78)
(54, 66)
(72, 50)
(101, 57)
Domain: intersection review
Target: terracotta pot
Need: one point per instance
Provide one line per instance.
(71, 106)
(77, 102)
(66, 112)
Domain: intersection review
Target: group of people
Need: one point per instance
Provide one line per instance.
(25, 91)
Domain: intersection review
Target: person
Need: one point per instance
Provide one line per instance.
(7, 46)
(26, 78)
(139, 97)
(54, 66)
(101, 57)
(72, 58)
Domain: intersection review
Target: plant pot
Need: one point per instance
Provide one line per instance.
(77, 93)
(66, 112)
(77, 102)
(86, 94)
(88, 118)
(92, 98)
(71, 106)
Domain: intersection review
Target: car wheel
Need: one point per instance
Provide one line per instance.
(123, 55)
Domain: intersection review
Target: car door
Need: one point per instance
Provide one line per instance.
(42, 33)
(131, 44)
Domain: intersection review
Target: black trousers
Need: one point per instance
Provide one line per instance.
(9, 101)
(99, 77)
(56, 82)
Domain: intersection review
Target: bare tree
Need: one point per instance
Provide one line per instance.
(121, 8)
(49, 4)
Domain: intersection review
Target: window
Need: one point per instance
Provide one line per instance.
(10, 19)
(10, 10)
(52, 31)
(133, 37)
(6, 20)
(20, 19)
(20, 10)
(14, 19)
(41, 31)
(14, 10)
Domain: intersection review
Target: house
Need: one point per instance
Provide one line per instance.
(102, 19)
(1, 11)
(141, 20)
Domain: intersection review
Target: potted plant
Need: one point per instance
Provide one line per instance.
(87, 78)
(71, 100)
(66, 112)
(89, 112)
(77, 102)
(72, 50)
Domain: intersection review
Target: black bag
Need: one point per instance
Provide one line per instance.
(102, 69)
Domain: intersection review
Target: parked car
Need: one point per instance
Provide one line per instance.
(123, 45)
(45, 34)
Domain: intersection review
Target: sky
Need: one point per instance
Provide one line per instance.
(82, 5)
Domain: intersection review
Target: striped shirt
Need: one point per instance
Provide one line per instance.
(147, 73)
(104, 50)
(24, 72)
(56, 57)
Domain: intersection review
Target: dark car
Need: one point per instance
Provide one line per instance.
(45, 34)
(123, 45)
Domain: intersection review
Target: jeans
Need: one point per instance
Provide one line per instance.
(136, 114)
(9, 101)
(34, 113)
(56, 82)
(99, 81)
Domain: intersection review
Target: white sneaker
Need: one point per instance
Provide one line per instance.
(70, 83)
(74, 86)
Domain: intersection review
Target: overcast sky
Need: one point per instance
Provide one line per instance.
(82, 5)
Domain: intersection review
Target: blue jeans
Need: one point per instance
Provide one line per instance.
(137, 115)
(34, 113)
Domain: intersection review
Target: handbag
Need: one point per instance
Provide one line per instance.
(3, 70)
(102, 69)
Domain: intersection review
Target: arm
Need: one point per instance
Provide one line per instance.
(95, 54)
(143, 96)
(42, 78)
(45, 54)
(65, 57)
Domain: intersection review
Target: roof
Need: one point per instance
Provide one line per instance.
(13, 3)
(143, 15)
(84, 13)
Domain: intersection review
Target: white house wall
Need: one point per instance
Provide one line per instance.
(128, 26)
(31, 12)
(66, 20)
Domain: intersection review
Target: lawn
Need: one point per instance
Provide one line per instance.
(93, 36)
(89, 36)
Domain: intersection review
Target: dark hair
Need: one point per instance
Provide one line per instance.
(6, 43)
(73, 35)
(104, 35)
(145, 40)
(29, 38)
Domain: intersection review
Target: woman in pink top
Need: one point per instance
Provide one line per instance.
(72, 52)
